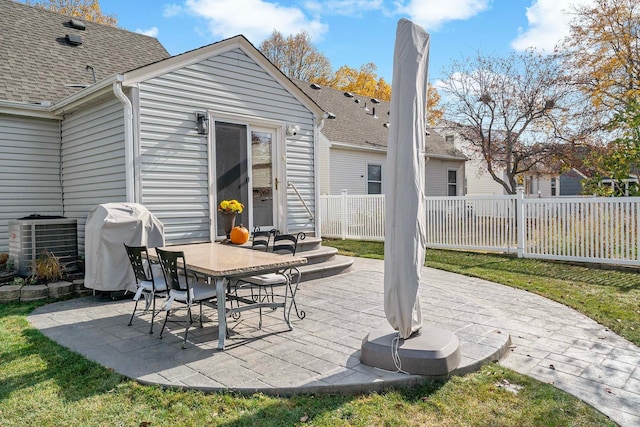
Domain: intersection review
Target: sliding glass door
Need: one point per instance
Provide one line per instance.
(231, 171)
(245, 171)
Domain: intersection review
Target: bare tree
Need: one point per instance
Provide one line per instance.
(297, 57)
(513, 111)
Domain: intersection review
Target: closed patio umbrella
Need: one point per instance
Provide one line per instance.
(407, 347)
(404, 242)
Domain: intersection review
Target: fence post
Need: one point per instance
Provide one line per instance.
(520, 223)
(343, 219)
(637, 230)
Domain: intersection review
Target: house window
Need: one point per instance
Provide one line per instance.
(554, 186)
(448, 138)
(452, 183)
(374, 179)
(528, 185)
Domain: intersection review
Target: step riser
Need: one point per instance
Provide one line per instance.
(311, 245)
(323, 273)
(319, 259)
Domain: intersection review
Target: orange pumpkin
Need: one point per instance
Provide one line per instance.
(239, 235)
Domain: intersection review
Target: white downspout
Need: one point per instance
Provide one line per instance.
(128, 138)
(316, 178)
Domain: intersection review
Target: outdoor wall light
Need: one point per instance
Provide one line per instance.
(292, 130)
(202, 123)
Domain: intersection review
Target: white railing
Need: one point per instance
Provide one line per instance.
(600, 230)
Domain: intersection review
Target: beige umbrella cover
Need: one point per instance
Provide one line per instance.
(404, 244)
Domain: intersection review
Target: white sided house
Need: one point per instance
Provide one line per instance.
(353, 147)
(92, 114)
(543, 181)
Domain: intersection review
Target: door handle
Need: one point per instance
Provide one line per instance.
(277, 182)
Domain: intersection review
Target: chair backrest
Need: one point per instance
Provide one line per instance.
(287, 243)
(169, 261)
(139, 259)
(261, 238)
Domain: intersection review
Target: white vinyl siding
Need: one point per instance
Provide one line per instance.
(349, 169)
(436, 176)
(29, 170)
(174, 158)
(93, 161)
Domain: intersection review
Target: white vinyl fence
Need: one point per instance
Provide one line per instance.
(599, 230)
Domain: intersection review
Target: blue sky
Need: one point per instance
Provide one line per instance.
(353, 32)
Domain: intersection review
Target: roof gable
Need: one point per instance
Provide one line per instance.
(185, 59)
(38, 63)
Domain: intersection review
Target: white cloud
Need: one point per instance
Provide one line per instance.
(255, 19)
(151, 32)
(431, 14)
(548, 24)
(351, 7)
(172, 10)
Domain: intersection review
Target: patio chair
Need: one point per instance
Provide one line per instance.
(260, 240)
(288, 279)
(181, 289)
(148, 285)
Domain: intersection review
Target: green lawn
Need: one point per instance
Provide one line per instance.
(610, 297)
(43, 384)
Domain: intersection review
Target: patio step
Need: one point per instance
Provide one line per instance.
(310, 243)
(318, 255)
(322, 261)
(337, 265)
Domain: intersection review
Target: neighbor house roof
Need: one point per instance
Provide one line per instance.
(361, 121)
(38, 63)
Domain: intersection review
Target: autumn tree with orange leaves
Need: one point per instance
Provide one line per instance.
(297, 57)
(89, 10)
(603, 50)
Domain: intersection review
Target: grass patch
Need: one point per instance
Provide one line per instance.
(42, 384)
(609, 297)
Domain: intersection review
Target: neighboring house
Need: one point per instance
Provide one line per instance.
(552, 183)
(543, 181)
(176, 134)
(353, 147)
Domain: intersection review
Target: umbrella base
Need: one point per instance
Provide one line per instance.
(433, 352)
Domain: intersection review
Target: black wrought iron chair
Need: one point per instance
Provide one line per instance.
(287, 279)
(181, 289)
(260, 239)
(148, 285)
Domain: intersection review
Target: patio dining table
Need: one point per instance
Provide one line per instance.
(220, 262)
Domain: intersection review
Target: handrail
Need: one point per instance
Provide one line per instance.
(292, 185)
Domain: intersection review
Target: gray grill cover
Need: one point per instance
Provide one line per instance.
(108, 227)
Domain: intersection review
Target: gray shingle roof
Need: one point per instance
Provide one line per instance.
(36, 61)
(355, 126)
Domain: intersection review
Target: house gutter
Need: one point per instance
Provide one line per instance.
(84, 95)
(41, 110)
(354, 147)
(128, 138)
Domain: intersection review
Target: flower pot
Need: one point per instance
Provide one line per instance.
(229, 221)
(34, 293)
(60, 290)
(10, 293)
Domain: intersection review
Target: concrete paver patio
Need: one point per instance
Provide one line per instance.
(537, 337)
